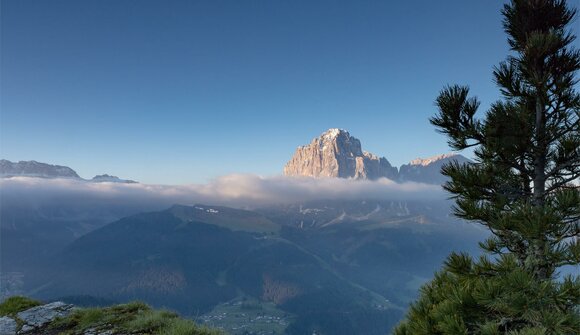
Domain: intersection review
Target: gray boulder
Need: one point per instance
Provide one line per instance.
(39, 316)
(7, 326)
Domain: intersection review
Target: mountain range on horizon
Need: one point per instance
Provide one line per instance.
(335, 154)
(43, 170)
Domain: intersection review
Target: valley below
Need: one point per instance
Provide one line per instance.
(333, 267)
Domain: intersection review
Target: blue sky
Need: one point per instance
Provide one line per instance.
(185, 91)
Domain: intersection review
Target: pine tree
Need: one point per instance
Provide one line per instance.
(523, 186)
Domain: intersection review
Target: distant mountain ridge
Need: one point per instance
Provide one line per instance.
(336, 153)
(36, 169)
(105, 178)
(428, 170)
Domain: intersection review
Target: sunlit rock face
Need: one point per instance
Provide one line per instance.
(428, 170)
(336, 153)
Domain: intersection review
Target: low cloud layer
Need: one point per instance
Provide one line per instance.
(238, 190)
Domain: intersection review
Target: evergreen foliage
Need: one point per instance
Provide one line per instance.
(523, 186)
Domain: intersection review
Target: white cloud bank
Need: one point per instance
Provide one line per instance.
(237, 190)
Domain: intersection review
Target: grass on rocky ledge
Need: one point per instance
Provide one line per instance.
(16, 304)
(132, 318)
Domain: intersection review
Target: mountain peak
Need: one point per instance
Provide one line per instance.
(335, 153)
(334, 132)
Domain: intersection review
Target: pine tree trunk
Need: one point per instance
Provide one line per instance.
(537, 257)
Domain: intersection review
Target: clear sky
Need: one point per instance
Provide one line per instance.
(185, 91)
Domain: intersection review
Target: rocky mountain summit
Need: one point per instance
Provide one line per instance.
(336, 153)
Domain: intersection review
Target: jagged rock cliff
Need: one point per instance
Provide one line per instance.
(337, 154)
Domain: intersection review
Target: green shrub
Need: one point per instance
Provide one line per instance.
(90, 317)
(150, 321)
(185, 327)
(16, 304)
(85, 318)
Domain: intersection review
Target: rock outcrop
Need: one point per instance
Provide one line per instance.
(337, 154)
(8, 326)
(60, 318)
(35, 319)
